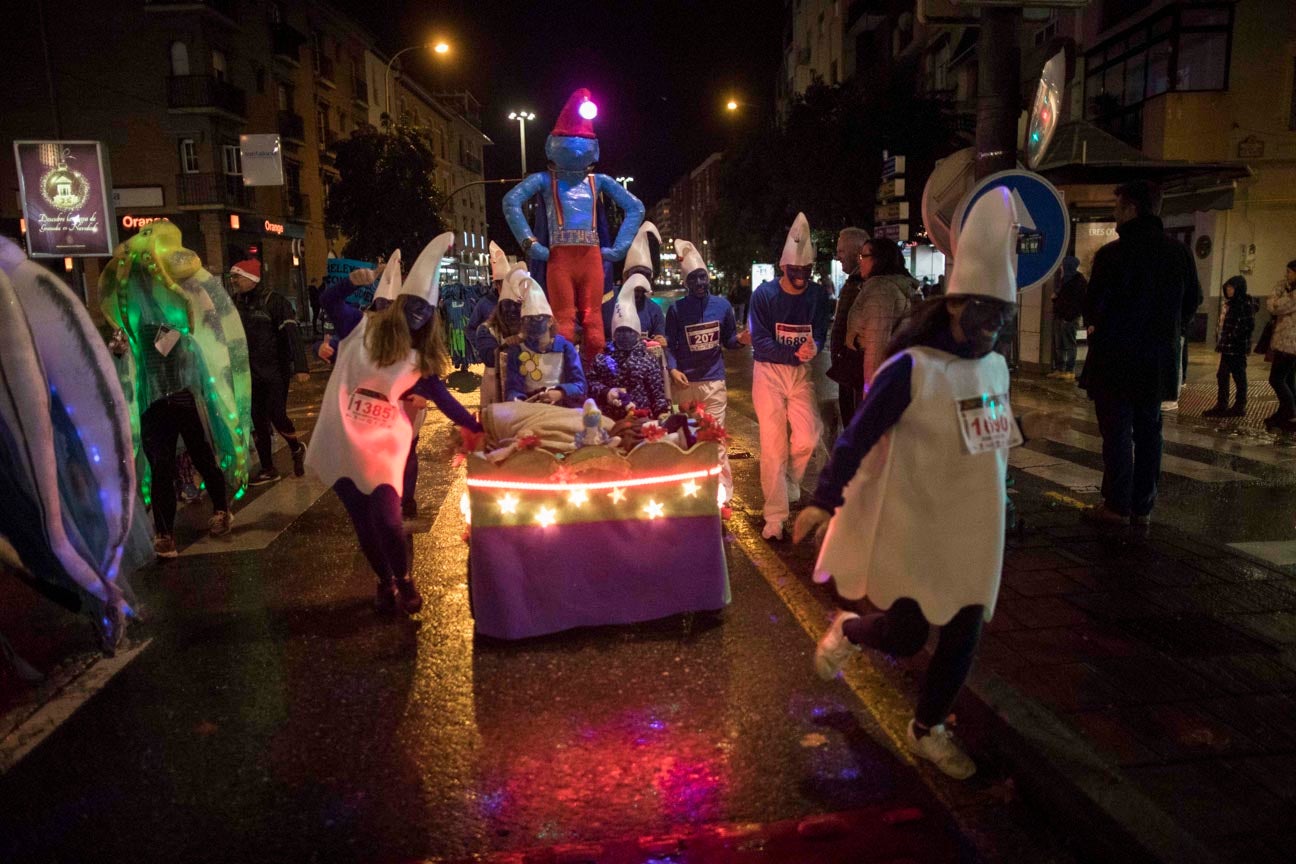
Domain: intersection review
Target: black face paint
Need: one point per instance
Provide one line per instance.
(981, 320)
(536, 330)
(418, 312)
(798, 274)
(511, 314)
(625, 339)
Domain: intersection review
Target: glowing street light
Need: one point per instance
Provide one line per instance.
(522, 117)
(438, 47)
(731, 105)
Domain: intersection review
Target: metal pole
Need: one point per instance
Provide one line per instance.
(522, 136)
(999, 89)
(387, 81)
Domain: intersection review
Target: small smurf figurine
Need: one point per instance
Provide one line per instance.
(592, 432)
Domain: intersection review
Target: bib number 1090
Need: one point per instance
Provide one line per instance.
(987, 424)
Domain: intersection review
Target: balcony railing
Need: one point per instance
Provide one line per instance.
(324, 70)
(193, 93)
(212, 190)
(226, 8)
(296, 205)
(286, 42)
(292, 127)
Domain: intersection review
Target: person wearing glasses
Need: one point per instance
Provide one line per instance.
(883, 302)
(787, 325)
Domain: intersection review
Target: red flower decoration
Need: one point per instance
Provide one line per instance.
(643, 413)
(653, 432)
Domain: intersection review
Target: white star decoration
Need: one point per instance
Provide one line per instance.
(653, 509)
(617, 496)
(577, 497)
(691, 488)
(546, 517)
(508, 504)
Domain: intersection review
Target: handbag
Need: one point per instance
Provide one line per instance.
(1265, 341)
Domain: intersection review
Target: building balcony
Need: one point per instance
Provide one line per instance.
(286, 42)
(296, 205)
(325, 72)
(227, 9)
(210, 190)
(292, 127)
(199, 94)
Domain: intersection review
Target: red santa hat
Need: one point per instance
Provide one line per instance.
(571, 122)
(250, 268)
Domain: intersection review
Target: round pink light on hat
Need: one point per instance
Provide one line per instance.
(588, 109)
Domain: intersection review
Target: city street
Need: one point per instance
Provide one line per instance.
(265, 713)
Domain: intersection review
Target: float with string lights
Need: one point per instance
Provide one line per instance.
(594, 538)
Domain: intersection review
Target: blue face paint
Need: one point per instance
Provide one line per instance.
(797, 274)
(698, 283)
(571, 152)
(511, 314)
(418, 312)
(981, 319)
(625, 339)
(535, 329)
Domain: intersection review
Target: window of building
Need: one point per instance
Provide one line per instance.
(232, 159)
(1203, 61)
(259, 74)
(317, 49)
(179, 58)
(219, 70)
(188, 156)
(1291, 120)
(321, 125)
(284, 95)
(275, 12)
(292, 176)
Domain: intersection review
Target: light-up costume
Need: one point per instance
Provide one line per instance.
(574, 276)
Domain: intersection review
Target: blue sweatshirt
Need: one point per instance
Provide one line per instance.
(780, 322)
(697, 329)
(573, 374)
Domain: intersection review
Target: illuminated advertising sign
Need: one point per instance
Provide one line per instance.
(66, 199)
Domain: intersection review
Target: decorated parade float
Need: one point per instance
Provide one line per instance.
(571, 526)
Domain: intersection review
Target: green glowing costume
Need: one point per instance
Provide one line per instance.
(153, 281)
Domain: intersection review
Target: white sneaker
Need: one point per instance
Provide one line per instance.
(794, 492)
(938, 747)
(773, 531)
(834, 648)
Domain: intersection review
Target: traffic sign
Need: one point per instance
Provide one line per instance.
(1045, 226)
(897, 231)
(893, 166)
(896, 211)
(893, 188)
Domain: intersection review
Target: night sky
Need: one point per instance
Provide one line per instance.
(660, 71)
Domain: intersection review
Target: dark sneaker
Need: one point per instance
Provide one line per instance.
(385, 598)
(1238, 410)
(299, 459)
(1141, 521)
(164, 546)
(410, 599)
(1219, 410)
(1104, 516)
(219, 524)
(261, 478)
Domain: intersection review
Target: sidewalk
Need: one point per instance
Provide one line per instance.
(1173, 659)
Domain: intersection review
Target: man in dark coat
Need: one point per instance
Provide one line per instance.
(847, 363)
(1142, 295)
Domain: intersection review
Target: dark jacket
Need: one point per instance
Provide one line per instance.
(1234, 336)
(1069, 304)
(847, 366)
(1143, 293)
(275, 348)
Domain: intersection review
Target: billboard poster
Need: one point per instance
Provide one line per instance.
(340, 268)
(66, 199)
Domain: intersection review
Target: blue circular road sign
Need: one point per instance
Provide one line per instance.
(1045, 226)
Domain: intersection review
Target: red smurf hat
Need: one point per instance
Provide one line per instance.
(577, 117)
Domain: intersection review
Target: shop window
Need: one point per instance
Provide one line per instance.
(232, 159)
(219, 69)
(179, 58)
(188, 156)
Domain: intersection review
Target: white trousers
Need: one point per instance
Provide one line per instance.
(714, 398)
(784, 396)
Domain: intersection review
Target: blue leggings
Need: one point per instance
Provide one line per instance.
(377, 521)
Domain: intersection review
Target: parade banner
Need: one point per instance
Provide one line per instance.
(340, 268)
(66, 199)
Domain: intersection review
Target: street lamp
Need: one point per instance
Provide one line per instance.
(731, 105)
(625, 182)
(522, 117)
(438, 47)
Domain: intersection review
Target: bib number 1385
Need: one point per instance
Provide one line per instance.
(987, 424)
(370, 408)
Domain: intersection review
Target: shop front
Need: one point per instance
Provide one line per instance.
(277, 244)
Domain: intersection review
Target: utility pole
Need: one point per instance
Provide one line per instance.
(998, 89)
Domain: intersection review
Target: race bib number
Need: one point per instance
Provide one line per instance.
(987, 424)
(370, 408)
(792, 335)
(703, 337)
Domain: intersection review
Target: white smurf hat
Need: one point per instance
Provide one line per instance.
(689, 257)
(499, 262)
(389, 284)
(797, 249)
(986, 262)
(515, 284)
(534, 301)
(639, 254)
(626, 314)
(422, 280)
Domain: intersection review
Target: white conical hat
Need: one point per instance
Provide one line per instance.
(534, 301)
(986, 261)
(640, 255)
(499, 262)
(515, 283)
(690, 258)
(422, 280)
(389, 284)
(626, 314)
(798, 250)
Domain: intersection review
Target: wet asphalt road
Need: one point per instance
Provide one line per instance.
(274, 717)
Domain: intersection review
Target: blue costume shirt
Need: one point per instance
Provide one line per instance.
(698, 330)
(571, 382)
(780, 321)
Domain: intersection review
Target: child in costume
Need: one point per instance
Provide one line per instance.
(652, 321)
(362, 439)
(625, 373)
(699, 327)
(545, 367)
(501, 330)
(915, 485)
